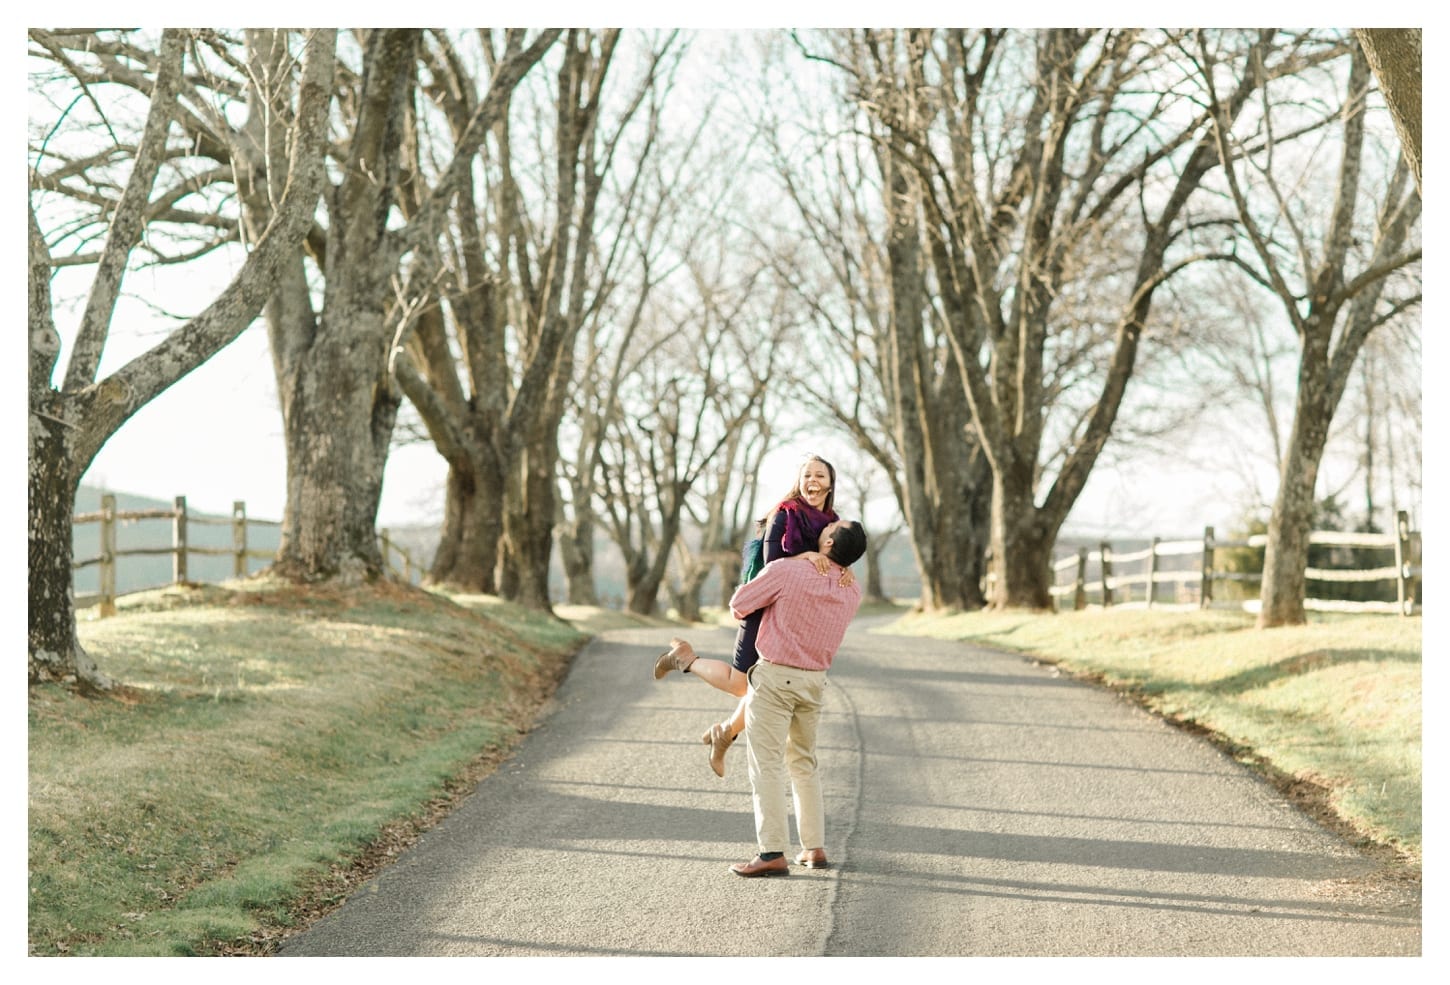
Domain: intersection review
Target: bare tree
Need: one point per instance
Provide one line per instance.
(1335, 292)
(666, 198)
(594, 406)
(1023, 186)
(526, 272)
(862, 274)
(682, 414)
(1238, 375)
(371, 272)
(717, 523)
(947, 478)
(339, 401)
(69, 423)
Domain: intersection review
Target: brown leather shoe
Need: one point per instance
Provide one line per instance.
(755, 867)
(720, 741)
(813, 858)
(678, 657)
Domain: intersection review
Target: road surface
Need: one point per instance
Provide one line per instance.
(977, 804)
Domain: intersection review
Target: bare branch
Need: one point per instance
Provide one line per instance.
(107, 404)
(129, 220)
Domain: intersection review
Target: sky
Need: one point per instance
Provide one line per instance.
(216, 437)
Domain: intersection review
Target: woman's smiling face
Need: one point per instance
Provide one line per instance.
(815, 483)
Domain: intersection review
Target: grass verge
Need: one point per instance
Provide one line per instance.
(1330, 712)
(270, 746)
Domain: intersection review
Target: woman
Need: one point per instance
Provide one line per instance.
(792, 529)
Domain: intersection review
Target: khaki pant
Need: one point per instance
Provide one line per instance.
(780, 735)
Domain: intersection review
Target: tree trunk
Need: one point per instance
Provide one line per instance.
(338, 407)
(463, 431)
(687, 598)
(874, 589)
(642, 596)
(946, 477)
(472, 528)
(635, 568)
(645, 578)
(1286, 555)
(576, 551)
(528, 528)
(338, 425)
(56, 653)
(687, 601)
(963, 529)
(53, 473)
(1021, 549)
(575, 534)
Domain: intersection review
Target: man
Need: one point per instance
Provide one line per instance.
(805, 619)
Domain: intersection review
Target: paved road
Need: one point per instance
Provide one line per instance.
(977, 804)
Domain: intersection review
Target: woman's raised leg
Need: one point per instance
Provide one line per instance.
(717, 673)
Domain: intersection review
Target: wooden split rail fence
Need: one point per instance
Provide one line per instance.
(181, 548)
(1107, 578)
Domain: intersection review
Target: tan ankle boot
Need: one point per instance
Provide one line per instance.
(674, 659)
(720, 738)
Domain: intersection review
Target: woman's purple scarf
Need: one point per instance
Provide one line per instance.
(803, 526)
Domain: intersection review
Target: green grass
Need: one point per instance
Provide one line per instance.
(265, 736)
(1334, 705)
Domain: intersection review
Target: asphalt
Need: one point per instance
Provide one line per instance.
(978, 804)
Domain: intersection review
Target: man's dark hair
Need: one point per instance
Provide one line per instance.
(848, 544)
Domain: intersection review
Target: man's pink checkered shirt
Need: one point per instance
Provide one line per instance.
(807, 613)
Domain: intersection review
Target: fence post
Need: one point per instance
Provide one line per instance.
(178, 542)
(1205, 580)
(1079, 595)
(239, 538)
(1402, 557)
(1107, 566)
(1152, 569)
(108, 554)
